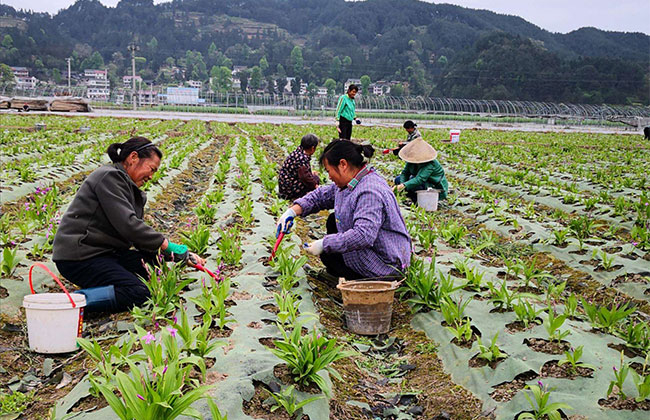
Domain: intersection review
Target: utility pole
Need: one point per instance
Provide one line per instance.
(68, 60)
(133, 48)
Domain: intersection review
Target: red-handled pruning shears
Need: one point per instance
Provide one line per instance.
(287, 228)
(205, 270)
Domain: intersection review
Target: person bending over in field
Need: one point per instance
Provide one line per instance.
(422, 170)
(296, 177)
(93, 245)
(366, 234)
(412, 134)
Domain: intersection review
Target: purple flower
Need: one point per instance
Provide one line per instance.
(149, 338)
(175, 320)
(541, 385)
(172, 331)
(141, 397)
(164, 370)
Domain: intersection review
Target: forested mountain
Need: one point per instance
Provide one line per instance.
(436, 49)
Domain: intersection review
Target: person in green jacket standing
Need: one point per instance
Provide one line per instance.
(346, 112)
(422, 170)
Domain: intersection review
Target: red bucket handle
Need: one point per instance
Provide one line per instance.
(56, 279)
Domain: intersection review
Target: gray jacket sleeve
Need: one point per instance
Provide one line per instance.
(112, 192)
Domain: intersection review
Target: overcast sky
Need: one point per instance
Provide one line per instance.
(553, 15)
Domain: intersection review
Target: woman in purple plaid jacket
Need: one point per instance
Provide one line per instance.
(366, 234)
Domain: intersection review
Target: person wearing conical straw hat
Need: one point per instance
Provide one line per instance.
(422, 170)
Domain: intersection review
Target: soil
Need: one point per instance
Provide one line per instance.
(545, 346)
(518, 326)
(476, 362)
(628, 351)
(267, 341)
(554, 370)
(270, 307)
(631, 278)
(219, 333)
(257, 409)
(616, 403)
(284, 375)
(507, 390)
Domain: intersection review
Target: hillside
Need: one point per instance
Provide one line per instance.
(437, 49)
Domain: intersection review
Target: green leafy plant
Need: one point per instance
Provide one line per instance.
(560, 236)
(474, 279)
(461, 331)
(573, 359)
(607, 318)
(454, 234)
(503, 298)
(245, 209)
(161, 390)
(606, 261)
(553, 323)
(637, 335)
(454, 311)
(571, 306)
(309, 354)
(532, 273)
(165, 284)
(205, 212)
(286, 399)
(526, 312)
(197, 239)
(642, 382)
(229, 246)
(540, 403)
(287, 304)
(14, 403)
(619, 378)
(212, 301)
(490, 352)
(10, 261)
(288, 265)
(420, 282)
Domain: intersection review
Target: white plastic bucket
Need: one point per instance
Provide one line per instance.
(428, 199)
(454, 136)
(53, 324)
(54, 320)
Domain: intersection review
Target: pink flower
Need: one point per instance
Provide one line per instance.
(164, 370)
(541, 385)
(149, 338)
(172, 331)
(141, 397)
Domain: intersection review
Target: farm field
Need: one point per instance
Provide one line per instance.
(528, 291)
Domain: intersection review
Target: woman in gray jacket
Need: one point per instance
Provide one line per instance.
(93, 245)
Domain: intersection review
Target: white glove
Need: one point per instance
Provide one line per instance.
(314, 248)
(285, 221)
(337, 123)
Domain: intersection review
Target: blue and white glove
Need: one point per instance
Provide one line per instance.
(358, 121)
(285, 221)
(314, 248)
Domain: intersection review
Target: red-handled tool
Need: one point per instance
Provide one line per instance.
(286, 230)
(201, 268)
(387, 151)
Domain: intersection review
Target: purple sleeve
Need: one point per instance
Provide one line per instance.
(368, 218)
(321, 198)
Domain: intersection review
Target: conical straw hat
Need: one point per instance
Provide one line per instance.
(418, 151)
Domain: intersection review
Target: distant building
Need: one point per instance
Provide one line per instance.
(351, 82)
(195, 84)
(127, 81)
(303, 86)
(322, 91)
(22, 78)
(182, 95)
(147, 97)
(97, 84)
(20, 71)
(380, 88)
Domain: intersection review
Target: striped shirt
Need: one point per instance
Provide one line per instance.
(372, 235)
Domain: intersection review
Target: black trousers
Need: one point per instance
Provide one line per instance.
(333, 262)
(120, 269)
(346, 129)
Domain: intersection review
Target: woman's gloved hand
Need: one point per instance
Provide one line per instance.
(314, 248)
(176, 252)
(338, 126)
(193, 259)
(358, 121)
(285, 221)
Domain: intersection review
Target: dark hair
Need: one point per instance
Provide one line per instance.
(142, 145)
(353, 87)
(345, 149)
(409, 124)
(308, 141)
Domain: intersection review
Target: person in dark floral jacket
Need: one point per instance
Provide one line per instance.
(296, 178)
